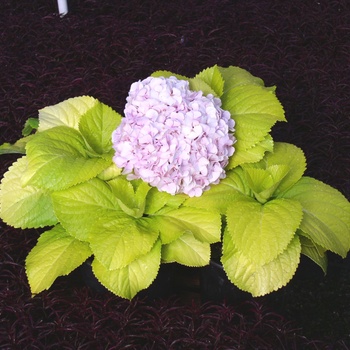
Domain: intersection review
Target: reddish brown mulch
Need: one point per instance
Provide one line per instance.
(99, 49)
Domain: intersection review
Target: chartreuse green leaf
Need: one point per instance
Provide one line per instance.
(30, 125)
(141, 190)
(197, 84)
(118, 243)
(313, 251)
(253, 101)
(255, 278)
(236, 76)
(156, 200)
(57, 159)
(83, 208)
(204, 225)
(251, 131)
(131, 195)
(97, 126)
(252, 155)
(125, 195)
(288, 155)
(67, 113)
(110, 173)
(131, 279)
(56, 254)
(251, 128)
(209, 82)
(263, 231)
(212, 78)
(19, 147)
(168, 74)
(326, 214)
(169, 228)
(187, 250)
(264, 182)
(219, 197)
(24, 206)
(90, 212)
(255, 110)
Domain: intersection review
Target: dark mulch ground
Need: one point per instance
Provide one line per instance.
(99, 49)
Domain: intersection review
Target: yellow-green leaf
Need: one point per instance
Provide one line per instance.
(97, 126)
(187, 250)
(313, 251)
(131, 279)
(67, 113)
(263, 231)
(326, 218)
(213, 78)
(260, 279)
(252, 154)
(24, 206)
(205, 225)
(56, 254)
(58, 159)
(118, 243)
(288, 155)
(236, 76)
(219, 197)
(84, 208)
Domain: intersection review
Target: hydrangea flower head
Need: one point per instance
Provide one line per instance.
(173, 138)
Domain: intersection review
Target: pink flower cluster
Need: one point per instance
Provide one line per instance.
(173, 138)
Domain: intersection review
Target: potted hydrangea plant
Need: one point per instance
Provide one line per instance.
(191, 163)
